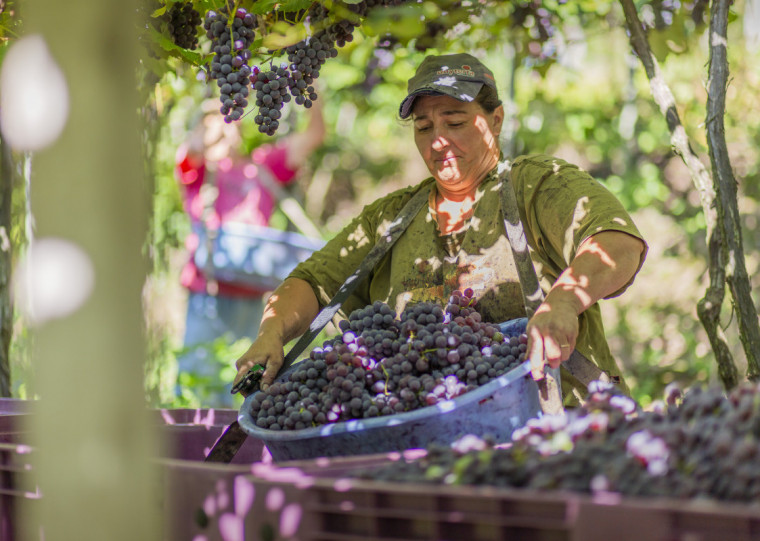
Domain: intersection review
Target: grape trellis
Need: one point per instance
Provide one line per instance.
(263, 54)
(236, 36)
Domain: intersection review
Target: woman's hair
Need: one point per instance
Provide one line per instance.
(488, 99)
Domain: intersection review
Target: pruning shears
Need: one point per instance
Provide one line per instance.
(250, 381)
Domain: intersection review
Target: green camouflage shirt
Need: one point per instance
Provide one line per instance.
(560, 206)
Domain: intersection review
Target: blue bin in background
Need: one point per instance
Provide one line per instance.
(495, 409)
(256, 256)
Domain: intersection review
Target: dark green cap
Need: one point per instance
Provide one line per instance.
(460, 76)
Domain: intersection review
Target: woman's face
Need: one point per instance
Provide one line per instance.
(220, 139)
(457, 140)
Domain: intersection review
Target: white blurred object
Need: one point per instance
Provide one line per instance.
(34, 96)
(752, 25)
(54, 279)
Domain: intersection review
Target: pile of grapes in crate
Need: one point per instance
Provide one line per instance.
(704, 444)
(383, 365)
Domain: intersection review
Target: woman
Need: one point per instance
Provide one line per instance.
(584, 246)
(223, 185)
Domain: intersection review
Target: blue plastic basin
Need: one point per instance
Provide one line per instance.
(494, 409)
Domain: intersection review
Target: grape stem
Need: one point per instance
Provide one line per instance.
(233, 13)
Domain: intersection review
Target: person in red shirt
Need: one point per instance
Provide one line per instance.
(220, 185)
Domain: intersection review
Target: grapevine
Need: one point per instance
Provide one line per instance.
(231, 41)
(183, 24)
(287, 74)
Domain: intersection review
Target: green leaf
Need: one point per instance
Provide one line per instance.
(343, 75)
(283, 34)
(404, 23)
(3, 49)
(196, 59)
(295, 5)
(155, 66)
(160, 11)
(263, 7)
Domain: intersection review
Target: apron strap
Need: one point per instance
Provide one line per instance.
(578, 365)
(383, 245)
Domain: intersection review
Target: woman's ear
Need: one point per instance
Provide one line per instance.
(498, 120)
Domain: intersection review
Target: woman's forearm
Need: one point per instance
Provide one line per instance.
(287, 315)
(290, 310)
(603, 264)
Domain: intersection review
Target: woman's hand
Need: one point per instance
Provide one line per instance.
(267, 351)
(603, 265)
(287, 315)
(552, 332)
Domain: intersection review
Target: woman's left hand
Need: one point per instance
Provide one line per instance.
(552, 332)
(602, 266)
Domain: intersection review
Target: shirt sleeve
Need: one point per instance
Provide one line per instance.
(188, 167)
(275, 158)
(562, 206)
(328, 268)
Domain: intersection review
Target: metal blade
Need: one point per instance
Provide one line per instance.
(550, 392)
(584, 370)
(228, 444)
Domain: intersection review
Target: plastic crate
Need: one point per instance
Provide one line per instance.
(12, 414)
(257, 256)
(189, 434)
(14, 463)
(185, 437)
(316, 501)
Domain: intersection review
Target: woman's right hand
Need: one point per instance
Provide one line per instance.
(287, 315)
(268, 351)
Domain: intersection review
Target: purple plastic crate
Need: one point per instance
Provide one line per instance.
(187, 434)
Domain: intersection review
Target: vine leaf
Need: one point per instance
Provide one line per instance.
(196, 59)
(282, 35)
(297, 5)
(263, 7)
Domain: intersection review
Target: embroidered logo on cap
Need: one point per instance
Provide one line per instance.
(464, 70)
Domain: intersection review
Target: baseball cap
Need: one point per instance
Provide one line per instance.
(460, 76)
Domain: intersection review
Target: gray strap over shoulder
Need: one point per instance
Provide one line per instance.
(383, 245)
(579, 366)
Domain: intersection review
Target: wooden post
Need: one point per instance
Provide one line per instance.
(91, 436)
(6, 306)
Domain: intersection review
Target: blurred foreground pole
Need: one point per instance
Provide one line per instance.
(91, 436)
(6, 306)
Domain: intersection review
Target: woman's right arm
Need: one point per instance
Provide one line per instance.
(288, 313)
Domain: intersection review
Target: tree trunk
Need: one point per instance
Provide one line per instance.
(725, 187)
(6, 262)
(708, 307)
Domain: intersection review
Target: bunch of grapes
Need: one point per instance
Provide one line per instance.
(304, 61)
(306, 57)
(230, 42)
(703, 445)
(232, 33)
(382, 365)
(271, 94)
(183, 25)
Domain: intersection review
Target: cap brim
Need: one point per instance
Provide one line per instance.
(457, 89)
